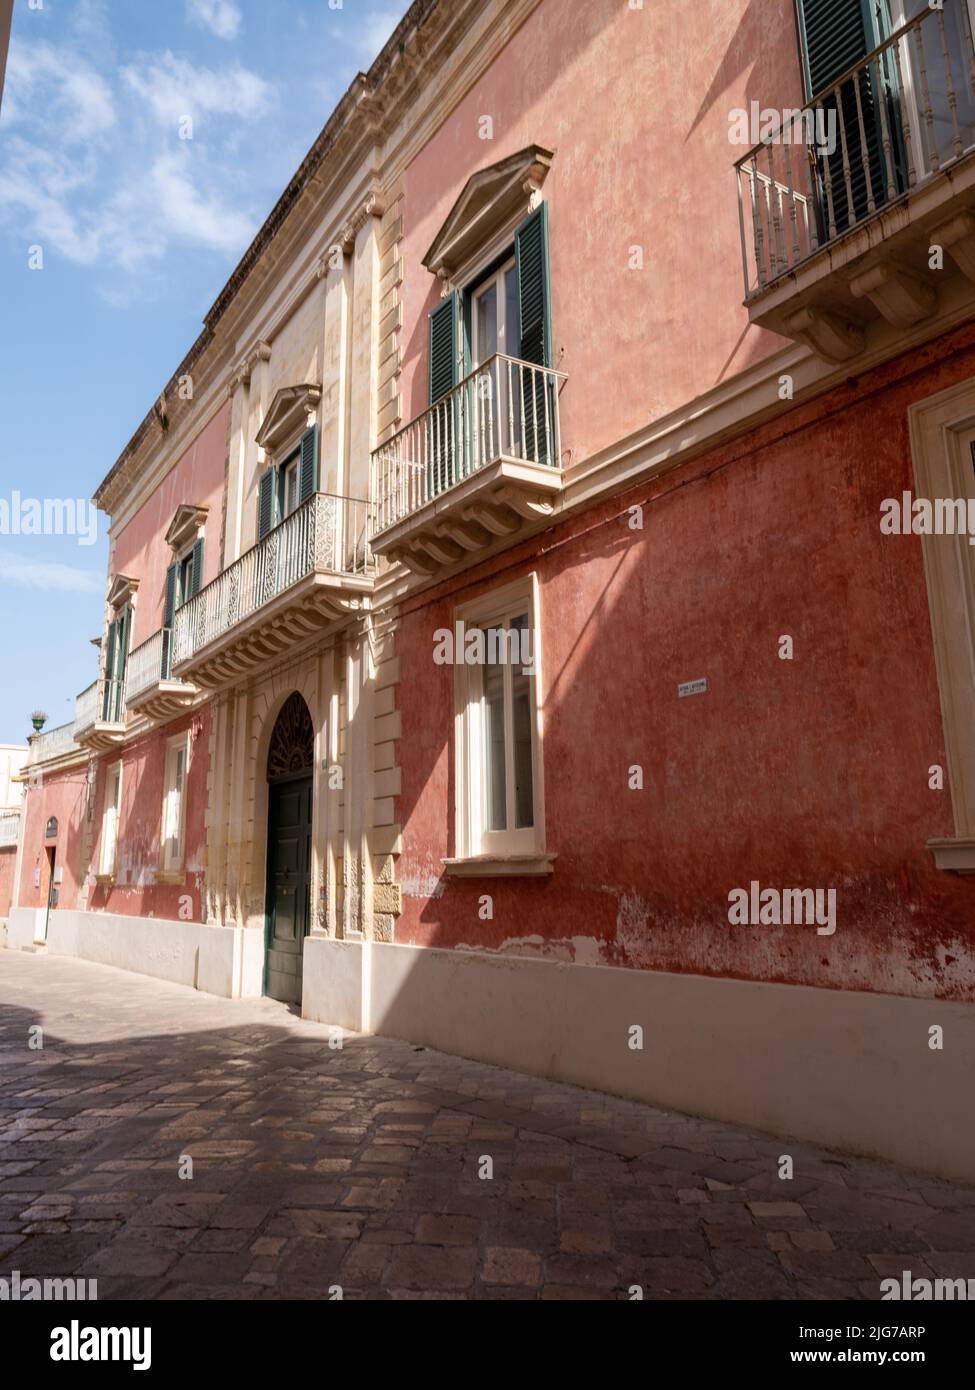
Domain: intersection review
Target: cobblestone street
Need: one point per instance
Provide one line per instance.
(361, 1167)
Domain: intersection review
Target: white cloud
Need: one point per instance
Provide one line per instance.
(191, 214)
(39, 574)
(221, 17)
(84, 177)
(64, 89)
(173, 87)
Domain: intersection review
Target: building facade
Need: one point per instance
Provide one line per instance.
(520, 635)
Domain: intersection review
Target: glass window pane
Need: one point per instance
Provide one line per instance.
(495, 816)
(487, 324)
(522, 725)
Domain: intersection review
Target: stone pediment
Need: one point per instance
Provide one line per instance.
(122, 590)
(490, 198)
(185, 525)
(292, 409)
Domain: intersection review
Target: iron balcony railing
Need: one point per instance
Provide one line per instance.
(327, 534)
(9, 828)
(148, 664)
(52, 743)
(102, 702)
(896, 118)
(505, 408)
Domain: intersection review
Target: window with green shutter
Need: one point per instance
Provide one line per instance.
(266, 502)
(169, 612)
(308, 465)
(836, 35)
(444, 375)
(196, 568)
(116, 656)
(535, 333)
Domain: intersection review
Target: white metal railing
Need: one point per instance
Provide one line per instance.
(897, 117)
(9, 828)
(52, 743)
(102, 702)
(327, 533)
(86, 708)
(148, 664)
(505, 408)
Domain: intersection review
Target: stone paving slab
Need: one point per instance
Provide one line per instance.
(363, 1169)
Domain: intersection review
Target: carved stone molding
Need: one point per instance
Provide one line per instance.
(833, 337)
(901, 296)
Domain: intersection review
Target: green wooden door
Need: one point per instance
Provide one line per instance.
(288, 886)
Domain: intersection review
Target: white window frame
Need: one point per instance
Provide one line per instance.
(173, 851)
(181, 558)
(474, 843)
(111, 815)
(290, 470)
(942, 430)
(503, 329)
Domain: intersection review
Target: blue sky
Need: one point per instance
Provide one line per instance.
(138, 230)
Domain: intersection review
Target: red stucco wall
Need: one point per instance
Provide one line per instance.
(642, 159)
(60, 794)
(140, 549)
(804, 773)
(134, 892)
(8, 860)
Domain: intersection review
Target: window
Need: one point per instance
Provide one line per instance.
(184, 582)
(285, 486)
(289, 486)
(498, 727)
(943, 448)
(174, 803)
(116, 660)
(110, 820)
(495, 336)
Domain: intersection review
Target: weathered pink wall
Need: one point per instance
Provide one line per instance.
(134, 893)
(804, 773)
(140, 549)
(60, 794)
(635, 104)
(8, 860)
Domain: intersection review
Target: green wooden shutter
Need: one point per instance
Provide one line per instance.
(443, 347)
(534, 312)
(308, 466)
(169, 605)
(265, 502)
(441, 422)
(169, 611)
(196, 568)
(111, 646)
(836, 34)
(535, 333)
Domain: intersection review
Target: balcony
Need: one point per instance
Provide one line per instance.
(473, 469)
(99, 715)
(9, 829)
(311, 571)
(840, 208)
(150, 687)
(51, 744)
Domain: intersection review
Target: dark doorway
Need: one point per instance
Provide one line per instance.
(288, 900)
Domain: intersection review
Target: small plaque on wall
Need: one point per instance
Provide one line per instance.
(698, 687)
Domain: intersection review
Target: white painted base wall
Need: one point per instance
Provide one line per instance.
(25, 927)
(219, 960)
(851, 1071)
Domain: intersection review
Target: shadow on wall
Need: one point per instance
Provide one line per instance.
(797, 772)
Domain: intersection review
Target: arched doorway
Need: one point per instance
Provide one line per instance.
(290, 762)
